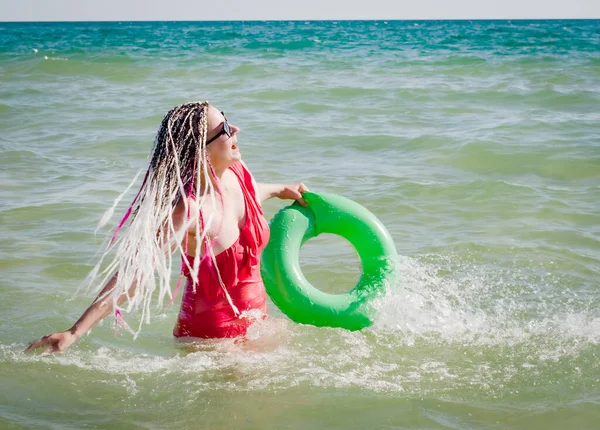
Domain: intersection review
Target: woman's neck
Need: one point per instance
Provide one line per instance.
(217, 179)
(219, 172)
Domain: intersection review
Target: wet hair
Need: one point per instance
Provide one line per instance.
(178, 168)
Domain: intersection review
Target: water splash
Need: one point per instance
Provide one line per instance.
(447, 299)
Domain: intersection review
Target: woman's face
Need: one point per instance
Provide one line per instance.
(223, 150)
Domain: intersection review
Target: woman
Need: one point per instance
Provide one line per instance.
(198, 197)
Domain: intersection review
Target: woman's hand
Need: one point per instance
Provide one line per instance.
(56, 342)
(293, 192)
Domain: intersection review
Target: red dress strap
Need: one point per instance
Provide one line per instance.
(254, 212)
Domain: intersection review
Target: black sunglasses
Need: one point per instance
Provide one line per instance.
(225, 130)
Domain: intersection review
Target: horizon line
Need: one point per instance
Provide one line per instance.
(301, 20)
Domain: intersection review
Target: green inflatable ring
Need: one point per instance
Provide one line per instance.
(289, 289)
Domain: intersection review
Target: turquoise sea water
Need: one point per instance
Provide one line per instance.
(476, 143)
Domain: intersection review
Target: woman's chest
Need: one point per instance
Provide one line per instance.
(224, 218)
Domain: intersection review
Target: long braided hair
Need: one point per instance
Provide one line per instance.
(178, 167)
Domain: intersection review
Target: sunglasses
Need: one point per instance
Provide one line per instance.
(225, 130)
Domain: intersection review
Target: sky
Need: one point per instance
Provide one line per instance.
(204, 10)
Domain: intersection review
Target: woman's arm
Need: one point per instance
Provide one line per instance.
(293, 192)
(100, 308)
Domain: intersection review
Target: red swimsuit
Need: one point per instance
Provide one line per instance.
(206, 312)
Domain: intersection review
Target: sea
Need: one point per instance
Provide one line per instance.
(476, 143)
